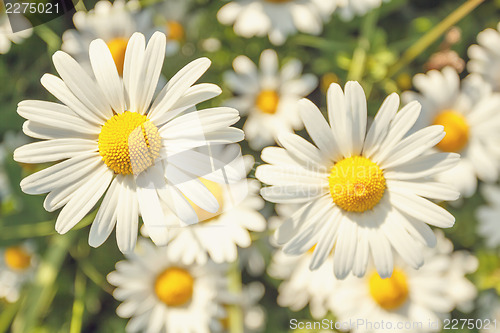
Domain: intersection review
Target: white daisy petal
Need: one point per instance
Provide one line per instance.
(356, 109)
(422, 209)
(105, 220)
(83, 201)
(132, 66)
(150, 72)
(106, 75)
(127, 217)
(345, 248)
(60, 90)
(320, 132)
(55, 115)
(53, 150)
(61, 174)
(414, 145)
(176, 88)
(423, 166)
(378, 129)
(381, 253)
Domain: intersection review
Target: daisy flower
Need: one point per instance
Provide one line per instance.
(112, 22)
(171, 18)
(17, 267)
(350, 8)
(469, 114)
(485, 57)
(361, 191)
(220, 233)
(276, 18)
(116, 142)
(268, 96)
(417, 300)
(7, 36)
(160, 294)
(487, 216)
(300, 285)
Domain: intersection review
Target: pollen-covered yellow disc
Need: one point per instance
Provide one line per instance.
(129, 143)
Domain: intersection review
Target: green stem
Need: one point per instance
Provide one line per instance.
(234, 310)
(360, 55)
(430, 37)
(40, 229)
(8, 313)
(39, 296)
(79, 303)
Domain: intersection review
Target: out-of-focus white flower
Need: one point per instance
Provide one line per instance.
(118, 141)
(268, 96)
(171, 17)
(112, 22)
(485, 57)
(410, 297)
(469, 114)
(7, 36)
(220, 233)
(301, 286)
(350, 8)
(488, 216)
(160, 294)
(17, 267)
(276, 18)
(362, 191)
(254, 315)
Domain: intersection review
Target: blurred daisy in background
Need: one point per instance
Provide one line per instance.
(110, 133)
(488, 215)
(276, 18)
(469, 113)
(160, 294)
(17, 267)
(171, 17)
(411, 297)
(485, 57)
(268, 96)
(220, 233)
(7, 36)
(362, 191)
(347, 9)
(112, 22)
(301, 286)
(254, 315)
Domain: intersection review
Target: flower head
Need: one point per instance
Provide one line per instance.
(361, 191)
(114, 140)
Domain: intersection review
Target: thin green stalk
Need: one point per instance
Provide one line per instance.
(234, 310)
(360, 55)
(52, 39)
(39, 296)
(40, 229)
(430, 37)
(8, 313)
(78, 303)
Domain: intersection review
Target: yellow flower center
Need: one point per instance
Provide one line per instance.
(389, 293)
(117, 46)
(456, 129)
(356, 184)
(174, 286)
(326, 80)
(218, 192)
(175, 31)
(17, 258)
(129, 143)
(267, 101)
